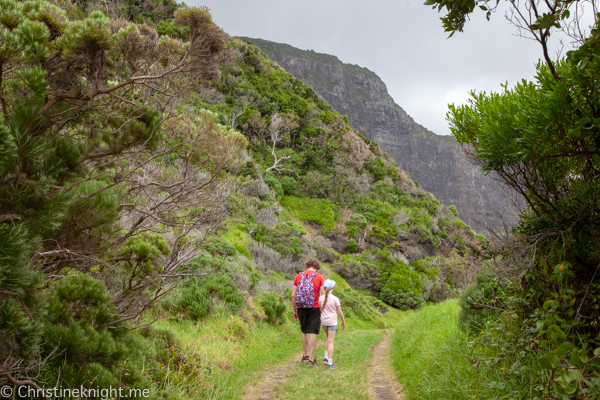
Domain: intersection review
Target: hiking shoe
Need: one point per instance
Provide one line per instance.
(313, 362)
(325, 361)
(304, 359)
(332, 366)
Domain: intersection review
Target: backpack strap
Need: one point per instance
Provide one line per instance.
(312, 276)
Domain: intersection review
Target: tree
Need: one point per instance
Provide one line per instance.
(542, 139)
(533, 19)
(105, 170)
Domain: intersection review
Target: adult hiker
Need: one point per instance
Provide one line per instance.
(305, 302)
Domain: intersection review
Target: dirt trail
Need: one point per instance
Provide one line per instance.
(270, 380)
(382, 383)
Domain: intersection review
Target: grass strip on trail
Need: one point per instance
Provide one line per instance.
(430, 355)
(349, 381)
(222, 363)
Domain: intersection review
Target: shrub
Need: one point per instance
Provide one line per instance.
(355, 223)
(238, 237)
(462, 244)
(453, 210)
(225, 288)
(249, 169)
(289, 185)
(351, 246)
(284, 238)
(377, 168)
(400, 286)
(274, 306)
(194, 301)
(75, 326)
(273, 260)
(355, 304)
(373, 209)
(402, 299)
(459, 224)
(274, 184)
(319, 211)
(218, 247)
(362, 271)
(316, 183)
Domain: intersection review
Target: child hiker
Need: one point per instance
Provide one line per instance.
(330, 309)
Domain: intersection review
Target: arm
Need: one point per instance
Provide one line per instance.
(341, 314)
(294, 303)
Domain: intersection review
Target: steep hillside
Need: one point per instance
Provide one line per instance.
(164, 170)
(437, 163)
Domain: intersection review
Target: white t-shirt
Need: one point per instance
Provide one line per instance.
(329, 313)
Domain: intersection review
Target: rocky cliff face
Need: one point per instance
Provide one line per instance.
(436, 162)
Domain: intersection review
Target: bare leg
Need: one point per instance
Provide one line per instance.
(329, 343)
(312, 345)
(326, 340)
(305, 344)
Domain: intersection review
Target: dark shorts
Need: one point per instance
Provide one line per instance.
(310, 320)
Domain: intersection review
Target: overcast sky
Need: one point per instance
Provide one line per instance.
(402, 41)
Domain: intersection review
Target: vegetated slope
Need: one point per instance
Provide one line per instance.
(437, 163)
(359, 211)
(192, 188)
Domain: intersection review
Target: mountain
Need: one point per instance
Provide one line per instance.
(192, 189)
(436, 162)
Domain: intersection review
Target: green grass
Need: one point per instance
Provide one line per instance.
(222, 361)
(320, 211)
(430, 355)
(239, 238)
(349, 381)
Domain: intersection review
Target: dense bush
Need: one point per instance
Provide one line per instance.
(316, 183)
(224, 287)
(289, 185)
(274, 306)
(195, 298)
(274, 184)
(360, 306)
(218, 247)
(401, 298)
(194, 301)
(402, 286)
(284, 238)
(356, 223)
(75, 326)
(351, 246)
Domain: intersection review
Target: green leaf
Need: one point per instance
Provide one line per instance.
(575, 360)
(552, 359)
(548, 304)
(575, 374)
(559, 351)
(567, 346)
(544, 363)
(539, 324)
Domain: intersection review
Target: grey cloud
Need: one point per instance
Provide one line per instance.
(401, 41)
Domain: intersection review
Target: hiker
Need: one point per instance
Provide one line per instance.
(330, 309)
(305, 302)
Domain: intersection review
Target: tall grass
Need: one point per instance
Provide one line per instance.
(430, 355)
(222, 355)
